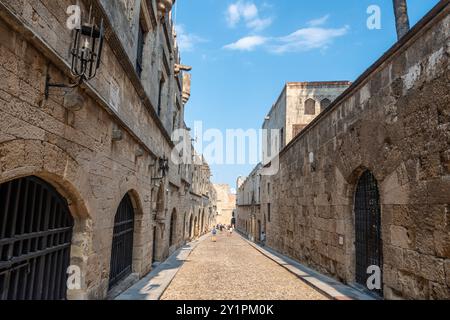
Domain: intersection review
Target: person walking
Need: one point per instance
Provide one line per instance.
(214, 235)
(231, 231)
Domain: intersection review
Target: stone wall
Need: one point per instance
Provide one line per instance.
(248, 213)
(79, 151)
(395, 122)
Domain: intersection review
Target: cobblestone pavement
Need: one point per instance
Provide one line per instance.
(230, 269)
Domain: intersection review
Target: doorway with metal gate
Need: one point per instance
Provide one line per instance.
(35, 240)
(122, 244)
(368, 242)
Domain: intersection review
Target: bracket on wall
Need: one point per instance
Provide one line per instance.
(49, 85)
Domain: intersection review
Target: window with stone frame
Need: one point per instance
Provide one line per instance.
(144, 27)
(324, 104)
(310, 107)
(162, 82)
(140, 50)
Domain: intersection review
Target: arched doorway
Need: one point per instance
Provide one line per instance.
(191, 227)
(196, 227)
(122, 243)
(184, 226)
(173, 228)
(368, 242)
(202, 229)
(35, 239)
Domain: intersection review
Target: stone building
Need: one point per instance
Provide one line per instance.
(248, 205)
(298, 104)
(226, 204)
(84, 177)
(366, 184)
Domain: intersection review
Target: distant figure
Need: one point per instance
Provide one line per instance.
(263, 238)
(231, 231)
(214, 235)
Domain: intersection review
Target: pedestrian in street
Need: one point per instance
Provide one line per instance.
(263, 238)
(214, 235)
(231, 231)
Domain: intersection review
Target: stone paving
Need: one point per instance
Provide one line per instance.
(231, 269)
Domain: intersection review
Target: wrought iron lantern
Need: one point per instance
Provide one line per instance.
(85, 53)
(163, 168)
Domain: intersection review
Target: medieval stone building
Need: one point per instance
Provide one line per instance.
(298, 104)
(365, 188)
(87, 179)
(226, 204)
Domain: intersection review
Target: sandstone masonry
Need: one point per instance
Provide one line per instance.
(112, 146)
(392, 124)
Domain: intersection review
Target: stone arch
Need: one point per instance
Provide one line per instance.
(184, 225)
(24, 158)
(129, 185)
(173, 228)
(123, 243)
(196, 227)
(310, 107)
(30, 208)
(368, 236)
(202, 222)
(191, 227)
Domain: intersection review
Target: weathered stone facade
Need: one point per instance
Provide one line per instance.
(298, 104)
(248, 213)
(112, 145)
(226, 204)
(393, 122)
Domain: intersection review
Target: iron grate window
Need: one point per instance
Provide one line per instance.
(35, 239)
(368, 227)
(122, 244)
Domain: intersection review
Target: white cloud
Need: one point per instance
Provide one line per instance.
(259, 24)
(187, 41)
(319, 22)
(247, 43)
(307, 39)
(312, 37)
(247, 12)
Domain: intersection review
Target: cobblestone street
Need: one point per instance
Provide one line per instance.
(230, 269)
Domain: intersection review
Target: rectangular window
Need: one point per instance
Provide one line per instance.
(282, 138)
(268, 212)
(140, 50)
(161, 87)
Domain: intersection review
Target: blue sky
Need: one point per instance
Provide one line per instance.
(242, 53)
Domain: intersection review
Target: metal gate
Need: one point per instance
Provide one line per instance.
(35, 239)
(368, 228)
(122, 244)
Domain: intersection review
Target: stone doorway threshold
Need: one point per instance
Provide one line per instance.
(328, 286)
(153, 286)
